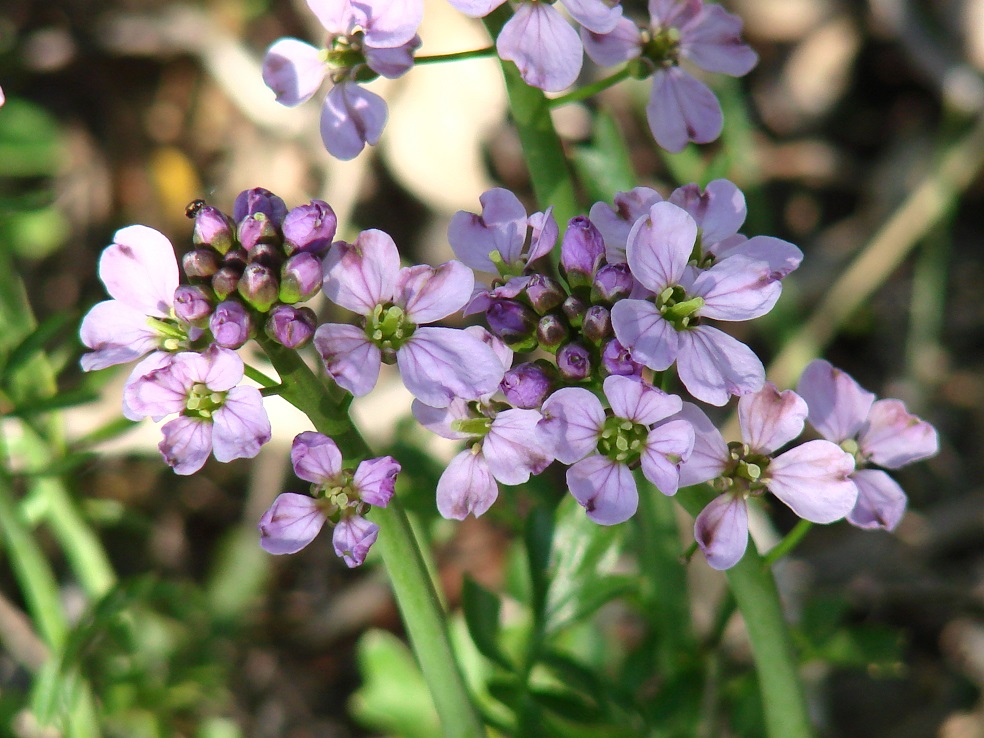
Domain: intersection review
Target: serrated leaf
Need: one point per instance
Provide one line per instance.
(481, 608)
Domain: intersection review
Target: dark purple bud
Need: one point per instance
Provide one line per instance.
(300, 278)
(545, 293)
(192, 303)
(551, 331)
(527, 385)
(511, 321)
(225, 281)
(310, 228)
(581, 252)
(574, 309)
(236, 258)
(200, 263)
(616, 359)
(213, 228)
(259, 287)
(574, 362)
(256, 229)
(259, 200)
(291, 327)
(597, 324)
(612, 283)
(230, 324)
(268, 254)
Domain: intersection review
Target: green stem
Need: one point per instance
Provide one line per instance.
(583, 93)
(787, 544)
(455, 56)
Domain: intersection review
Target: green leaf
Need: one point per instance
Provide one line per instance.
(481, 609)
(539, 540)
(33, 343)
(605, 166)
(62, 400)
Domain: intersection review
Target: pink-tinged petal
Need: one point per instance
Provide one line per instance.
(139, 269)
(316, 458)
(501, 227)
(719, 209)
(814, 480)
(781, 256)
(476, 8)
(223, 369)
(713, 366)
(881, 501)
(351, 117)
(615, 223)
(392, 63)
(339, 17)
(154, 361)
(375, 480)
(622, 43)
(675, 13)
(438, 420)
(392, 23)
(721, 531)
(186, 444)
(240, 426)
(294, 71)
(770, 419)
(291, 523)
(117, 334)
(667, 447)
(595, 15)
(466, 487)
(892, 436)
(639, 401)
(682, 109)
(543, 234)
(659, 247)
(737, 288)
(640, 328)
(3, 98)
(710, 456)
(713, 42)
(160, 391)
(498, 346)
(573, 419)
(838, 405)
(545, 48)
(361, 275)
(604, 488)
(439, 364)
(512, 448)
(348, 356)
(428, 293)
(352, 539)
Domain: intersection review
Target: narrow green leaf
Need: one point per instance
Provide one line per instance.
(481, 608)
(60, 401)
(33, 343)
(605, 166)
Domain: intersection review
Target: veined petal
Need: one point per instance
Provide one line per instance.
(719, 209)
(881, 501)
(838, 405)
(770, 419)
(501, 227)
(351, 360)
(676, 13)
(352, 539)
(604, 488)
(781, 256)
(428, 293)
(545, 48)
(639, 401)
(573, 419)
(721, 531)
(132, 408)
(476, 8)
(361, 275)
(512, 448)
(241, 426)
(615, 223)
(682, 109)
(438, 420)
(713, 366)
(294, 71)
(186, 444)
(392, 63)
(315, 458)
(659, 247)
(291, 523)
(737, 288)
(595, 15)
(640, 328)
(140, 270)
(814, 481)
(466, 487)
(710, 455)
(392, 23)
(608, 48)
(543, 234)
(893, 437)
(117, 334)
(375, 480)
(712, 41)
(351, 117)
(221, 368)
(667, 447)
(160, 391)
(440, 364)
(338, 17)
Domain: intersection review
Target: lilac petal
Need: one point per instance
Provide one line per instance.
(814, 481)
(240, 426)
(719, 209)
(543, 234)
(315, 458)
(713, 42)
(892, 437)
(616, 223)
(117, 334)
(573, 419)
(595, 15)
(512, 449)
(338, 17)
(713, 366)
(545, 48)
(392, 23)
(640, 328)
(294, 71)
(639, 401)
(160, 391)
(132, 409)
(438, 420)
(476, 8)
(351, 360)
(770, 419)
(352, 539)
(375, 480)
(622, 43)
(881, 501)
(221, 368)
(428, 293)
(682, 109)
(721, 531)
(604, 488)
(675, 13)
(781, 256)
(710, 455)
(140, 270)
(667, 446)
(659, 247)
(361, 275)
(501, 227)
(498, 346)
(186, 444)
(737, 288)
(838, 405)
(351, 117)
(392, 63)
(466, 487)
(440, 364)
(291, 523)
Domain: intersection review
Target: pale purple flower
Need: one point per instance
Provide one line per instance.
(812, 479)
(876, 432)
(603, 448)
(616, 222)
(352, 539)
(214, 413)
(681, 108)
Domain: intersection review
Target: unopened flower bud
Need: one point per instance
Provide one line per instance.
(581, 252)
(192, 303)
(259, 287)
(552, 331)
(268, 254)
(574, 362)
(545, 293)
(300, 277)
(511, 321)
(616, 359)
(200, 263)
(612, 283)
(597, 324)
(230, 324)
(225, 281)
(310, 228)
(259, 200)
(574, 309)
(256, 229)
(213, 229)
(291, 327)
(352, 538)
(527, 385)
(236, 258)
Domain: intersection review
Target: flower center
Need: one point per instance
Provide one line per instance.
(337, 496)
(663, 47)
(746, 471)
(173, 333)
(203, 402)
(676, 308)
(388, 328)
(622, 440)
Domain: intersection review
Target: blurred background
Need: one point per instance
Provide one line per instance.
(859, 137)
